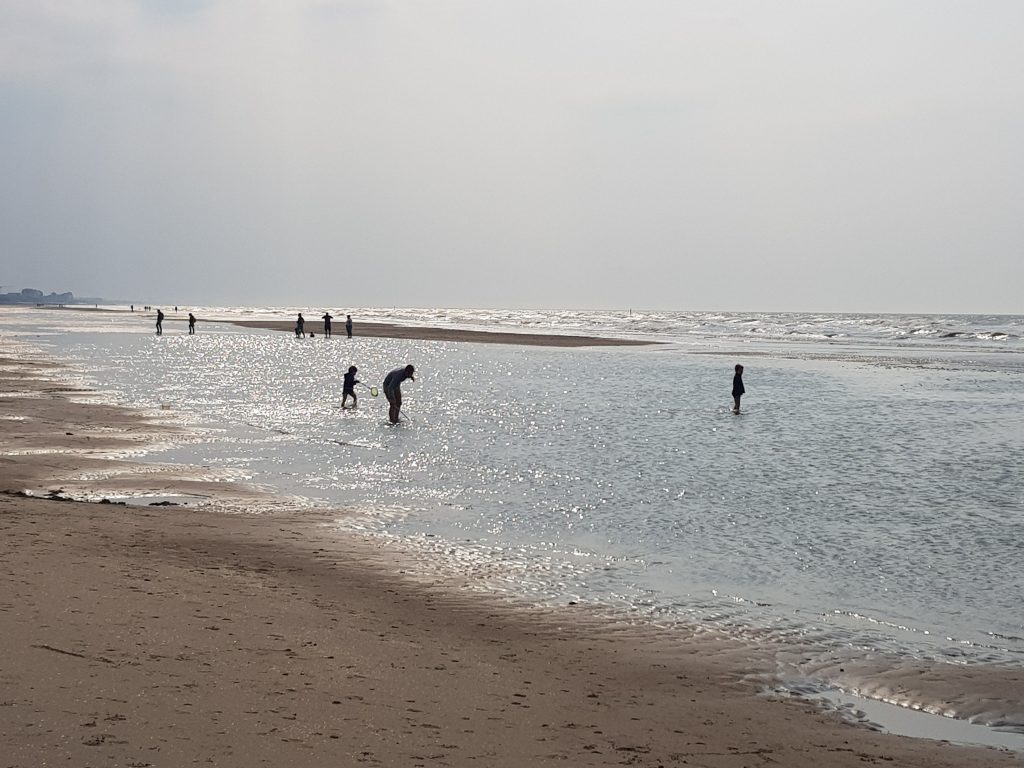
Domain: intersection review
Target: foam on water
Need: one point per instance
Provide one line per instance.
(859, 525)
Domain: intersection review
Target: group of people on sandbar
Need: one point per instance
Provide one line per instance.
(392, 387)
(300, 325)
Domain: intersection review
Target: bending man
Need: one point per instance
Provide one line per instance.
(393, 390)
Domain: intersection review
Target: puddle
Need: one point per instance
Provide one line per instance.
(176, 500)
(903, 721)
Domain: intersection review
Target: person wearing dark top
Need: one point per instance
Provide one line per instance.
(737, 388)
(348, 325)
(300, 326)
(191, 324)
(348, 389)
(159, 323)
(327, 324)
(393, 390)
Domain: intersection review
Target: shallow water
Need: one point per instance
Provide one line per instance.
(866, 509)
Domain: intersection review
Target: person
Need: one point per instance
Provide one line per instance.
(300, 326)
(393, 390)
(159, 323)
(327, 324)
(191, 324)
(737, 388)
(348, 325)
(133, 307)
(349, 387)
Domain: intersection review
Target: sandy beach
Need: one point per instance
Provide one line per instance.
(166, 636)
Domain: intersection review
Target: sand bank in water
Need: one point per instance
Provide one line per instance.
(389, 331)
(172, 635)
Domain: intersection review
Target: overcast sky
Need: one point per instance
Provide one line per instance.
(716, 154)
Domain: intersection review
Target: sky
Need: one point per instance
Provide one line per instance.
(789, 155)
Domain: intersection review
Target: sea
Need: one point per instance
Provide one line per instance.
(860, 524)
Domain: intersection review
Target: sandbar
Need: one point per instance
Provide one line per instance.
(424, 333)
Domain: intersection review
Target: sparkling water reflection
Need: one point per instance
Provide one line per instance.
(867, 506)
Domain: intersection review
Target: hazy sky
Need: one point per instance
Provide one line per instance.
(715, 154)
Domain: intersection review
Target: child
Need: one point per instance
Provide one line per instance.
(737, 388)
(349, 387)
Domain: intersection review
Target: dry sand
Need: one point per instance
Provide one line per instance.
(138, 636)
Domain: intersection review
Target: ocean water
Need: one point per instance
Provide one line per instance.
(860, 525)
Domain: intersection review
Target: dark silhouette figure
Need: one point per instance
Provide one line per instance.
(327, 324)
(300, 326)
(348, 325)
(159, 323)
(393, 390)
(348, 389)
(737, 388)
(191, 324)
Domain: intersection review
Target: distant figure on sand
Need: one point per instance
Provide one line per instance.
(348, 325)
(349, 387)
(300, 326)
(737, 388)
(159, 323)
(393, 390)
(191, 324)
(327, 324)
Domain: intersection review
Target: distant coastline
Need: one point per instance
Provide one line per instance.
(36, 298)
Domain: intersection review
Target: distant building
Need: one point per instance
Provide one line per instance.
(35, 296)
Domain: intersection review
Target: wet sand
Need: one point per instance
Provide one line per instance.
(389, 331)
(141, 636)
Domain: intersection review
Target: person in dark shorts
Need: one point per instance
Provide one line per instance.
(393, 390)
(737, 388)
(327, 324)
(348, 389)
(348, 325)
(159, 323)
(191, 324)
(300, 326)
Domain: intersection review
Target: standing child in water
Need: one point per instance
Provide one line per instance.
(737, 388)
(349, 387)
